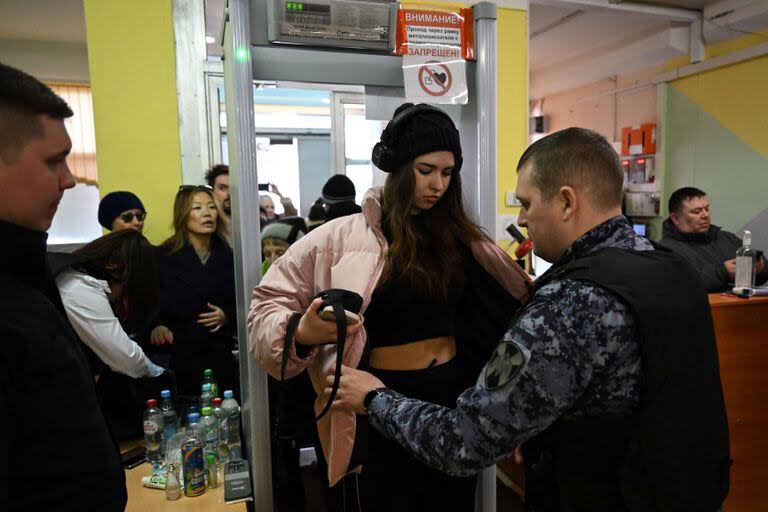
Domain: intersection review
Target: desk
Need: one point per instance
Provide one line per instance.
(146, 499)
(741, 329)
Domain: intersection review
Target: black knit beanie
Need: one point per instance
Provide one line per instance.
(420, 133)
(338, 189)
(115, 203)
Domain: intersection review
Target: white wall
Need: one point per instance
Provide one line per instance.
(76, 221)
(50, 61)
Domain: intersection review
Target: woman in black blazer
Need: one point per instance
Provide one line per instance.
(196, 322)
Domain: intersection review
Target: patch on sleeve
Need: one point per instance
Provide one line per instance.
(506, 363)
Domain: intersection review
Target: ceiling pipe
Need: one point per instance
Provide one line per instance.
(692, 17)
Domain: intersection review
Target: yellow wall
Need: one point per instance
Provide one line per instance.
(722, 48)
(133, 79)
(512, 99)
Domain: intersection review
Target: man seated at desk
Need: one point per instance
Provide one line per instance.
(711, 250)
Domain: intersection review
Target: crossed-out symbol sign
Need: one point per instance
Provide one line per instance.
(435, 78)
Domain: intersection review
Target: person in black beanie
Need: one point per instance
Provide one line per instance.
(122, 210)
(339, 197)
(437, 295)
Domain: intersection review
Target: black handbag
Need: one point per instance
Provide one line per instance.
(339, 300)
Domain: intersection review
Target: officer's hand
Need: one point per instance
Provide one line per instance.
(730, 267)
(313, 330)
(353, 386)
(760, 265)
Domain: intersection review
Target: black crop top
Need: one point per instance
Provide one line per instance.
(398, 314)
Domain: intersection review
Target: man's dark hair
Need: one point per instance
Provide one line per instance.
(576, 156)
(22, 99)
(214, 172)
(682, 195)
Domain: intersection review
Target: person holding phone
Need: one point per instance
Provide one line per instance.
(266, 202)
(437, 295)
(196, 319)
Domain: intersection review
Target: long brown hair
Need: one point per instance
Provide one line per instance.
(181, 208)
(426, 262)
(131, 259)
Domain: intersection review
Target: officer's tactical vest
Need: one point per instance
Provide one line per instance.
(673, 454)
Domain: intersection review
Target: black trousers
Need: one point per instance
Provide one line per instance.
(394, 480)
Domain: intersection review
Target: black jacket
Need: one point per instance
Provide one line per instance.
(58, 453)
(707, 252)
(186, 286)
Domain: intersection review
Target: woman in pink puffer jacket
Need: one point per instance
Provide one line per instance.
(437, 296)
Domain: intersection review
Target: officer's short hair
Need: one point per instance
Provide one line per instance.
(576, 157)
(22, 99)
(682, 195)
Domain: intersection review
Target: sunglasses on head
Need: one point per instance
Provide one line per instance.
(187, 188)
(128, 216)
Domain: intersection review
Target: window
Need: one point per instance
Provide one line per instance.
(82, 159)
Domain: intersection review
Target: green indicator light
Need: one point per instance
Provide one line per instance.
(301, 7)
(242, 53)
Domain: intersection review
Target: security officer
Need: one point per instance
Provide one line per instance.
(608, 377)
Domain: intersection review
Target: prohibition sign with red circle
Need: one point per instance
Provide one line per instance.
(442, 81)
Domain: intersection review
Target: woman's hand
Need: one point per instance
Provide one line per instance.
(161, 335)
(273, 188)
(353, 386)
(215, 319)
(313, 330)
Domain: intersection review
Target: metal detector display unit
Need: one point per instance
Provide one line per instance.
(356, 24)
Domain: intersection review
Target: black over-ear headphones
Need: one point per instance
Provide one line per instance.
(382, 155)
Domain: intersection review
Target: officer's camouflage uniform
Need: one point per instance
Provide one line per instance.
(572, 352)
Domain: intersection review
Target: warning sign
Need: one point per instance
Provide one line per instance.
(434, 81)
(435, 33)
(435, 46)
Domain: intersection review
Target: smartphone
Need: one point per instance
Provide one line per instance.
(134, 457)
(327, 314)
(264, 187)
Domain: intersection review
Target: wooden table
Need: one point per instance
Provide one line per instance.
(145, 499)
(741, 328)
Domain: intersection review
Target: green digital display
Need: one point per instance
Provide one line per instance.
(294, 6)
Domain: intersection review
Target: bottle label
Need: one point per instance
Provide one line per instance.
(744, 271)
(150, 427)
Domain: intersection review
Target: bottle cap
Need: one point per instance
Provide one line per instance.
(166, 393)
(208, 373)
(207, 411)
(217, 401)
(206, 387)
(194, 417)
(151, 402)
(228, 393)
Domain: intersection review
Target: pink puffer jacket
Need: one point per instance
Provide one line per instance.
(346, 253)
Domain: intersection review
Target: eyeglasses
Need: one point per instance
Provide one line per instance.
(127, 217)
(187, 188)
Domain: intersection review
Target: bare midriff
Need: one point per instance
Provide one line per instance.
(416, 355)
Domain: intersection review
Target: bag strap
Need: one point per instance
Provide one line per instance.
(341, 336)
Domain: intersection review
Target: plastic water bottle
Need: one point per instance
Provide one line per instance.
(210, 429)
(208, 378)
(232, 410)
(170, 418)
(745, 263)
(193, 423)
(153, 432)
(223, 420)
(206, 397)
